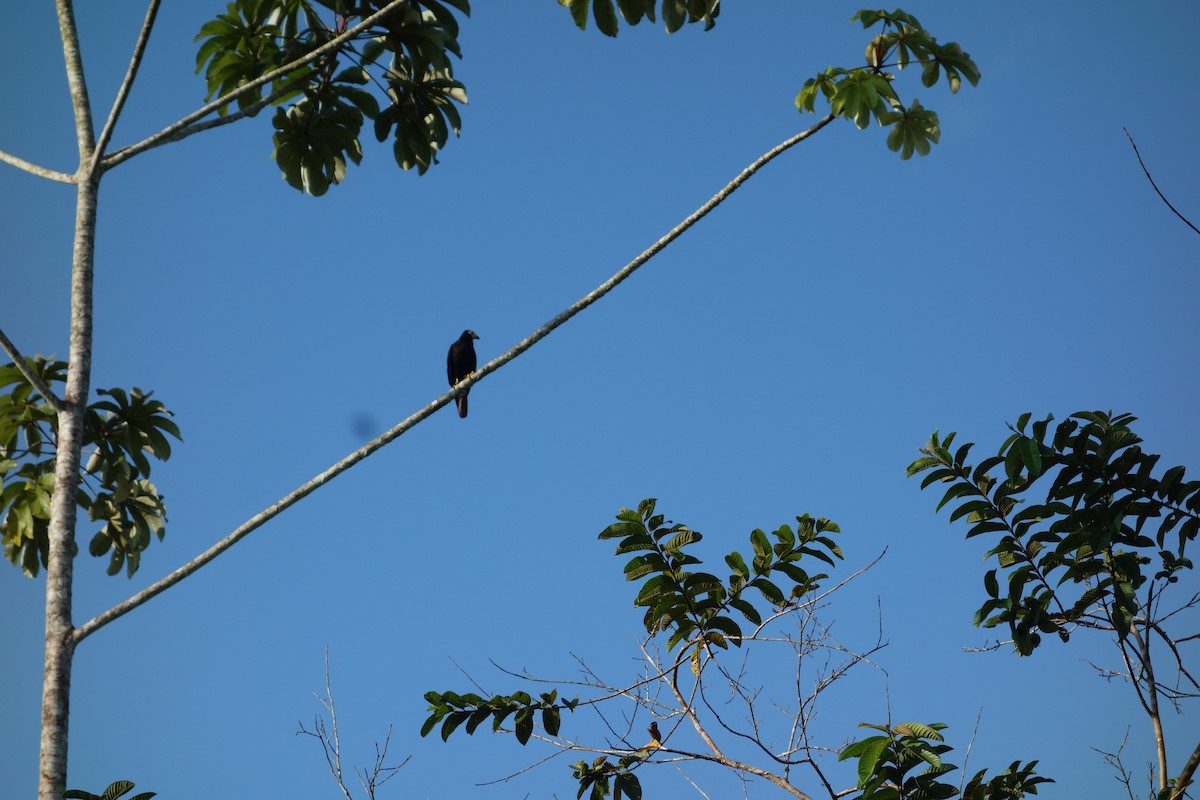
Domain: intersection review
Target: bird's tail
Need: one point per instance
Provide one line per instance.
(462, 405)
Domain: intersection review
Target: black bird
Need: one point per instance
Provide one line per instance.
(460, 362)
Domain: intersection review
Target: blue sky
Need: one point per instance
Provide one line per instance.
(787, 355)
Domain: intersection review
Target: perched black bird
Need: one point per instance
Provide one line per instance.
(460, 362)
(654, 734)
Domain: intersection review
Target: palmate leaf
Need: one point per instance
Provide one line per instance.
(313, 139)
(239, 46)
(914, 130)
(868, 92)
(322, 107)
(122, 431)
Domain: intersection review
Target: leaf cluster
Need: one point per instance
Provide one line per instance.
(452, 710)
(404, 57)
(1107, 524)
(887, 763)
(675, 13)
(604, 777)
(122, 432)
(698, 608)
(868, 92)
(114, 791)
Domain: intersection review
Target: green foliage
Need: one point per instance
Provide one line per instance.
(885, 761)
(695, 606)
(887, 764)
(114, 790)
(470, 710)
(606, 777)
(120, 434)
(1016, 781)
(867, 92)
(452, 710)
(319, 128)
(1091, 533)
(675, 13)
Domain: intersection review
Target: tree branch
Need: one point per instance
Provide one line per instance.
(31, 376)
(290, 499)
(1155, 185)
(34, 169)
(135, 62)
(198, 127)
(81, 105)
(1185, 778)
(184, 127)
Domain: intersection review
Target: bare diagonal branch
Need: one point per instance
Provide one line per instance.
(1155, 185)
(36, 169)
(290, 499)
(29, 374)
(1185, 778)
(135, 62)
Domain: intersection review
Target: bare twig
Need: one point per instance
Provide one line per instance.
(1114, 760)
(1155, 185)
(664, 693)
(970, 744)
(331, 746)
(135, 62)
(290, 499)
(34, 379)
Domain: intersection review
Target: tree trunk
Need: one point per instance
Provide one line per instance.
(60, 641)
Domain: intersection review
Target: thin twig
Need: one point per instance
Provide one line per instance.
(331, 746)
(970, 745)
(1155, 185)
(139, 49)
(31, 376)
(290, 499)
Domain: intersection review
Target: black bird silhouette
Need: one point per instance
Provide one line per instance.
(654, 734)
(460, 362)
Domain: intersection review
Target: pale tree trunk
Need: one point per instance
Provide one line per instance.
(60, 642)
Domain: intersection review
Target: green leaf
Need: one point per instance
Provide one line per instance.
(579, 13)
(524, 725)
(748, 611)
(551, 721)
(762, 547)
(869, 753)
(769, 591)
(738, 564)
(116, 789)
(628, 784)
(605, 16)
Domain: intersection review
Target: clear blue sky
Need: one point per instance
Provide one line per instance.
(788, 355)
